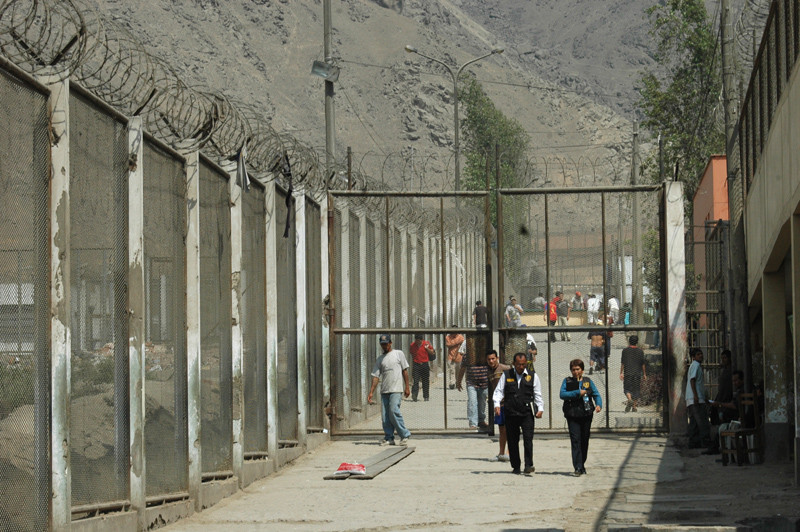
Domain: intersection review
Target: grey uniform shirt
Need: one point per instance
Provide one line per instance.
(389, 369)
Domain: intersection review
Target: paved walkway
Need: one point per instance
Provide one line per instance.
(448, 483)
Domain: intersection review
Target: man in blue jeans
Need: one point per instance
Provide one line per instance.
(477, 391)
(391, 369)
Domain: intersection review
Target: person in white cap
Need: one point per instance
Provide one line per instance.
(391, 369)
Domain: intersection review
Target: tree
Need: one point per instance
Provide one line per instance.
(484, 127)
(679, 102)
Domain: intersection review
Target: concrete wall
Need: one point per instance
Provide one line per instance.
(774, 194)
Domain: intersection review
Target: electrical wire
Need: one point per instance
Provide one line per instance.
(355, 112)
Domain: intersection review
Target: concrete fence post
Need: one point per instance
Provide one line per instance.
(238, 420)
(60, 335)
(136, 322)
(193, 377)
(675, 306)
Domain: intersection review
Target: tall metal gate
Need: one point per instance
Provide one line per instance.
(417, 263)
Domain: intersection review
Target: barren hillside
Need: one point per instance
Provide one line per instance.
(567, 74)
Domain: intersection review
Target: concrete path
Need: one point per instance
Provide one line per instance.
(449, 483)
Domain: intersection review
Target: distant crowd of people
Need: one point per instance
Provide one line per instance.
(515, 392)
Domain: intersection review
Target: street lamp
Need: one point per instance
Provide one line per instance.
(455, 75)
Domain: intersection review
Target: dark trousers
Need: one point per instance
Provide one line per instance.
(515, 424)
(699, 425)
(421, 372)
(579, 428)
(552, 333)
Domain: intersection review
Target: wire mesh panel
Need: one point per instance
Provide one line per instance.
(253, 320)
(99, 271)
(314, 315)
(287, 316)
(402, 282)
(24, 308)
(165, 414)
(582, 297)
(215, 321)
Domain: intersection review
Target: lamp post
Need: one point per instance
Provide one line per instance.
(455, 74)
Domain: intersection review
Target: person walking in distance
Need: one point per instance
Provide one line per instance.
(453, 342)
(632, 372)
(477, 388)
(520, 394)
(421, 351)
(513, 313)
(592, 309)
(391, 369)
(496, 370)
(551, 315)
(581, 402)
(562, 313)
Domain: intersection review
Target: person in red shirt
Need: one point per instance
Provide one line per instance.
(421, 350)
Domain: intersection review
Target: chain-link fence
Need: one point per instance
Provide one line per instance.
(24, 317)
(285, 264)
(313, 273)
(99, 445)
(707, 292)
(215, 318)
(165, 414)
(581, 279)
(254, 365)
(403, 266)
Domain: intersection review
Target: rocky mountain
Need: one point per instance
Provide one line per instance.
(568, 73)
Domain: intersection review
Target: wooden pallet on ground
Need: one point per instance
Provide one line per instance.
(377, 464)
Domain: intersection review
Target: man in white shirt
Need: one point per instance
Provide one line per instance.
(520, 393)
(592, 308)
(613, 309)
(391, 369)
(696, 405)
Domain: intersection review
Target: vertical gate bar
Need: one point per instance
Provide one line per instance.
(388, 295)
(547, 291)
(444, 302)
(192, 172)
(345, 308)
(605, 300)
(60, 336)
(501, 268)
(325, 288)
(332, 382)
(364, 305)
(136, 313)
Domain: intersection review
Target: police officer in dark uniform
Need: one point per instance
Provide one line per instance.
(520, 391)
